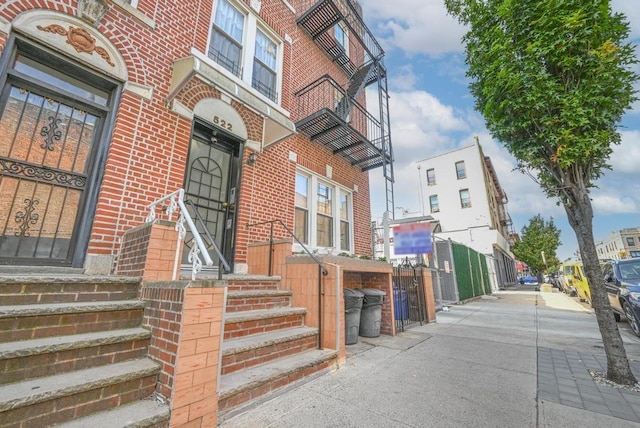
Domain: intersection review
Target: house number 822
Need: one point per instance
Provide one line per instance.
(223, 123)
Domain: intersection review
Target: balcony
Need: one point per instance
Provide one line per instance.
(329, 114)
(319, 17)
(337, 121)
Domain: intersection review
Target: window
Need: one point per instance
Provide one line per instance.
(345, 226)
(301, 220)
(634, 253)
(465, 199)
(460, 170)
(630, 241)
(264, 66)
(226, 37)
(433, 203)
(340, 33)
(246, 49)
(324, 225)
(323, 213)
(431, 177)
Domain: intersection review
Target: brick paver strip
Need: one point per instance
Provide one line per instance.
(564, 378)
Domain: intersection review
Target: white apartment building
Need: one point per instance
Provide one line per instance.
(620, 244)
(461, 190)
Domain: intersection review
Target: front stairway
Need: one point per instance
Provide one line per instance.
(266, 344)
(73, 354)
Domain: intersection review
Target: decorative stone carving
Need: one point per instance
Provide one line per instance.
(80, 39)
(256, 5)
(92, 11)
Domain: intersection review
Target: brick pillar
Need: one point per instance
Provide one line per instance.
(429, 295)
(150, 251)
(185, 320)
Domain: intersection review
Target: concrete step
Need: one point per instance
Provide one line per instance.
(29, 359)
(24, 322)
(242, 387)
(249, 351)
(64, 397)
(60, 288)
(249, 300)
(139, 414)
(246, 323)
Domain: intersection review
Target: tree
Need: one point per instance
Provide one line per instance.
(552, 80)
(538, 238)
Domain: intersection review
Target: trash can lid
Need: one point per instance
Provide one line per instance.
(350, 292)
(372, 292)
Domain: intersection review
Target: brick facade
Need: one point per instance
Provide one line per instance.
(149, 141)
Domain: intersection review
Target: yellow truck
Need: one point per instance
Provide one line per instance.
(574, 281)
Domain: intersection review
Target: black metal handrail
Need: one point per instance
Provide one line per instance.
(222, 262)
(326, 94)
(322, 271)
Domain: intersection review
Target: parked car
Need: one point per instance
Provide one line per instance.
(574, 282)
(622, 280)
(528, 280)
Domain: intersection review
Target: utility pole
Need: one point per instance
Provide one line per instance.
(421, 195)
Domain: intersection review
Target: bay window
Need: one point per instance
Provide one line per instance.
(330, 207)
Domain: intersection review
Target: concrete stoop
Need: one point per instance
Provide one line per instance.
(73, 346)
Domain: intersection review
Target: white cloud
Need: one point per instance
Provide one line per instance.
(632, 12)
(626, 156)
(613, 204)
(420, 126)
(403, 79)
(414, 26)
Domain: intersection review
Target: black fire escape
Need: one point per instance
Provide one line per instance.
(332, 114)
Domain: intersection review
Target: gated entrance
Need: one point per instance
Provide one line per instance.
(50, 128)
(408, 295)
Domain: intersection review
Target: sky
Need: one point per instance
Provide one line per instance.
(432, 112)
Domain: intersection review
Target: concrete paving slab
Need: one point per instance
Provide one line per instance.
(520, 359)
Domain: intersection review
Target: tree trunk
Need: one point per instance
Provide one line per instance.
(580, 216)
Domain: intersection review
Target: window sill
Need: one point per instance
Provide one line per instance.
(135, 13)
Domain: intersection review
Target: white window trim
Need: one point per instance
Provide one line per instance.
(312, 198)
(251, 23)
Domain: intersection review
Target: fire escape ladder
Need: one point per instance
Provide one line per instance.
(387, 148)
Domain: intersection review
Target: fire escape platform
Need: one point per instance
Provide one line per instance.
(325, 127)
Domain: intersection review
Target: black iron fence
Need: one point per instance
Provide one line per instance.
(408, 296)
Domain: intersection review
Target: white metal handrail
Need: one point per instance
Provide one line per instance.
(176, 200)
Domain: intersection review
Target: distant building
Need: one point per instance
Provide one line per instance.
(463, 193)
(621, 244)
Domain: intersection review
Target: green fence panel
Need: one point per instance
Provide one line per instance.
(476, 274)
(472, 274)
(462, 271)
(485, 274)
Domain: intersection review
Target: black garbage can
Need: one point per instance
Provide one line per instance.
(352, 306)
(371, 314)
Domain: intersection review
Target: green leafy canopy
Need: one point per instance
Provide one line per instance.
(537, 237)
(552, 79)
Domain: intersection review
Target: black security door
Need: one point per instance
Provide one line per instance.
(50, 128)
(212, 186)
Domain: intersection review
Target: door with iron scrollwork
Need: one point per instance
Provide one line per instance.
(211, 185)
(47, 150)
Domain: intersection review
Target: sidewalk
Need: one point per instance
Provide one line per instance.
(514, 359)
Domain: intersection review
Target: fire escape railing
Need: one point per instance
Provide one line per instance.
(337, 121)
(330, 114)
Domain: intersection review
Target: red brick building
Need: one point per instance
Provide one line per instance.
(255, 112)
(255, 108)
